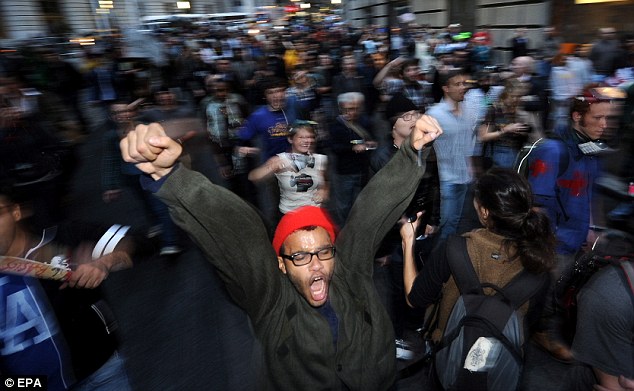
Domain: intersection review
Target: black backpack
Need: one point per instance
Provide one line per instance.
(482, 345)
(612, 247)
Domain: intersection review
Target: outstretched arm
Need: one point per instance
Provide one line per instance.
(229, 231)
(268, 169)
(385, 198)
(378, 79)
(151, 150)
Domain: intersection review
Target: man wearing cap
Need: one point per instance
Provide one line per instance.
(403, 114)
(310, 296)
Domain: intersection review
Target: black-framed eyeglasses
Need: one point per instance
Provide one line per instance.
(304, 257)
(410, 115)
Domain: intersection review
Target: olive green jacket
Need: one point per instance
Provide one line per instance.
(297, 342)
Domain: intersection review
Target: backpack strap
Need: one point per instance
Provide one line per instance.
(517, 166)
(522, 287)
(461, 267)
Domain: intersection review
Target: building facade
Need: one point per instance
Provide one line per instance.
(576, 20)
(24, 19)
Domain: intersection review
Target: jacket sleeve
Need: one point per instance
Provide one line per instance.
(248, 130)
(378, 207)
(430, 280)
(229, 232)
(340, 138)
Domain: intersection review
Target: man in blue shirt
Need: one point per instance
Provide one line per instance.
(268, 126)
(453, 149)
(267, 130)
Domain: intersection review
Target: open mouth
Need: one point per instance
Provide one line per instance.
(318, 290)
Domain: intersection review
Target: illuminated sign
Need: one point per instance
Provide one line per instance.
(596, 1)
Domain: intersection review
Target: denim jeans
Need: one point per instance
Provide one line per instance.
(504, 156)
(110, 377)
(452, 196)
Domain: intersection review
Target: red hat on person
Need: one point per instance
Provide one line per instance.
(306, 216)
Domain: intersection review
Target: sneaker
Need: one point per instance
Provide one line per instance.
(170, 250)
(403, 350)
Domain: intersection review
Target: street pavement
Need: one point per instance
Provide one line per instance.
(179, 329)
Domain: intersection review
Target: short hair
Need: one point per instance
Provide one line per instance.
(350, 97)
(410, 62)
(594, 93)
(273, 82)
(302, 124)
(444, 79)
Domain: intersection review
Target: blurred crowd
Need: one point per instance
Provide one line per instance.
(57, 94)
(307, 117)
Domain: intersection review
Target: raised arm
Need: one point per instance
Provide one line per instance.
(227, 230)
(378, 79)
(385, 198)
(151, 150)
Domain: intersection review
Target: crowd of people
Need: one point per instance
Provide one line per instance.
(357, 154)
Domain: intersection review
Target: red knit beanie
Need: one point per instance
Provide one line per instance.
(306, 216)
